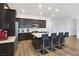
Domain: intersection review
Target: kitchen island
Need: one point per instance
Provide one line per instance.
(8, 47)
(36, 39)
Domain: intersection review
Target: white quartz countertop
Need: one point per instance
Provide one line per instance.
(38, 35)
(24, 32)
(10, 39)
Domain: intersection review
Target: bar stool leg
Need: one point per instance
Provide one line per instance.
(60, 44)
(43, 46)
(52, 46)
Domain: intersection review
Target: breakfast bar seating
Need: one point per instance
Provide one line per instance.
(36, 39)
(50, 42)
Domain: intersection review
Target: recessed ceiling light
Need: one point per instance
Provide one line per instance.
(40, 5)
(23, 10)
(57, 10)
(49, 8)
(40, 13)
(53, 15)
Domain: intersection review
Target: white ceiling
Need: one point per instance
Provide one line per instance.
(65, 9)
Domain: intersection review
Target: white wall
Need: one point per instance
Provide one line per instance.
(48, 22)
(74, 26)
(66, 25)
(62, 25)
(77, 27)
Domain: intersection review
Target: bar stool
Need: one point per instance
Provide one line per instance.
(66, 34)
(44, 44)
(61, 40)
(53, 41)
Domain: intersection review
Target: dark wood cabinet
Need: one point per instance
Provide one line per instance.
(10, 18)
(1, 15)
(7, 19)
(36, 42)
(29, 23)
(21, 36)
(1, 19)
(1, 6)
(42, 23)
(24, 36)
(8, 49)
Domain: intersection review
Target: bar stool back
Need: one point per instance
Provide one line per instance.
(66, 34)
(44, 43)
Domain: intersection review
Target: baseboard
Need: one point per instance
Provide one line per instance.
(74, 35)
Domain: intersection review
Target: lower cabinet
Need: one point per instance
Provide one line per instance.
(8, 49)
(36, 42)
(24, 36)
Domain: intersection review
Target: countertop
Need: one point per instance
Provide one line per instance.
(24, 32)
(10, 39)
(33, 32)
(38, 35)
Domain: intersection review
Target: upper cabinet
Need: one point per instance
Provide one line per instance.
(31, 23)
(7, 19)
(1, 6)
(10, 18)
(42, 23)
(1, 15)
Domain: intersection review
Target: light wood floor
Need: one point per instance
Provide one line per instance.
(25, 48)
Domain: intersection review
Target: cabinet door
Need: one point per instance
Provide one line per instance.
(7, 49)
(12, 18)
(6, 18)
(12, 22)
(1, 19)
(1, 50)
(1, 15)
(1, 6)
(42, 23)
(21, 36)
